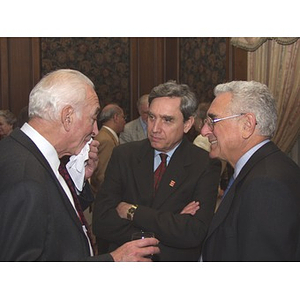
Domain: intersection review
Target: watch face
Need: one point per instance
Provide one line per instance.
(131, 210)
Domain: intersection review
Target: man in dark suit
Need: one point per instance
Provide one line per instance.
(128, 201)
(39, 219)
(259, 217)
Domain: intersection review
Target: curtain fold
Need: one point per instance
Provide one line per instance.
(253, 43)
(276, 63)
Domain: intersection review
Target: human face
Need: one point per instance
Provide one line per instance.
(120, 121)
(84, 126)
(225, 137)
(5, 128)
(143, 111)
(165, 123)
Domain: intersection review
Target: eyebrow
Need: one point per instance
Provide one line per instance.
(97, 111)
(212, 116)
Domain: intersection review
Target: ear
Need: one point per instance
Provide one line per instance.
(248, 125)
(67, 117)
(115, 118)
(188, 124)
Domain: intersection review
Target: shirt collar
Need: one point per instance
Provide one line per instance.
(243, 160)
(44, 146)
(113, 132)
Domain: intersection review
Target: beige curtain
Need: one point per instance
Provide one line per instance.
(276, 62)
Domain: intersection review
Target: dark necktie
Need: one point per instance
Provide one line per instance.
(64, 173)
(160, 170)
(231, 180)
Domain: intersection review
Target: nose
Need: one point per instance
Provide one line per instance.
(205, 131)
(95, 129)
(155, 125)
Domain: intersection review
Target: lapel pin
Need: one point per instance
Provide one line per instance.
(172, 183)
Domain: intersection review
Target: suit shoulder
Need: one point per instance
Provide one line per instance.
(131, 147)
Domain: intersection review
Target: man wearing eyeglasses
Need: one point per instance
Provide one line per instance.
(259, 216)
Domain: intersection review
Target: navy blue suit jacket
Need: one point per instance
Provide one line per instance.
(259, 218)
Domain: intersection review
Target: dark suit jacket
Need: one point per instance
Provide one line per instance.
(190, 175)
(38, 222)
(259, 218)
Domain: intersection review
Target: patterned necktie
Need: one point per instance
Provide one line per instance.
(160, 170)
(64, 173)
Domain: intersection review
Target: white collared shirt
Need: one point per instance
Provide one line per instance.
(157, 159)
(52, 158)
(243, 160)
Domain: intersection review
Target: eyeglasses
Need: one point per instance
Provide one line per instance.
(211, 122)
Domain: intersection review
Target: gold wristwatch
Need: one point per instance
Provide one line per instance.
(131, 211)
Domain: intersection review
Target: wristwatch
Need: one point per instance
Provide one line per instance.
(131, 211)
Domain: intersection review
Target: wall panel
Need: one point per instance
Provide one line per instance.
(20, 71)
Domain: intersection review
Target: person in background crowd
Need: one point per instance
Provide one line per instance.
(111, 124)
(259, 216)
(201, 141)
(112, 120)
(7, 123)
(157, 184)
(136, 130)
(40, 218)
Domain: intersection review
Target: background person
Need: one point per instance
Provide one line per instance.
(136, 130)
(7, 123)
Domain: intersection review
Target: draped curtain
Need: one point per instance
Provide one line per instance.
(276, 63)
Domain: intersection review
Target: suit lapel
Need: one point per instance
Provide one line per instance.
(226, 203)
(23, 139)
(143, 169)
(174, 175)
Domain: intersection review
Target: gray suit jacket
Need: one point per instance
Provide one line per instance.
(190, 175)
(133, 131)
(38, 222)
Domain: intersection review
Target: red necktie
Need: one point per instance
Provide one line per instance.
(64, 173)
(160, 170)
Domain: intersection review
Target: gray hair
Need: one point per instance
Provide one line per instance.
(189, 102)
(252, 97)
(143, 99)
(56, 90)
(8, 116)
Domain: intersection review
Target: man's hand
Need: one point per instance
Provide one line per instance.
(191, 208)
(122, 209)
(137, 250)
(93, 159)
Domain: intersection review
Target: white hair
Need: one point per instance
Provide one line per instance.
(56, 90)
(252, 97)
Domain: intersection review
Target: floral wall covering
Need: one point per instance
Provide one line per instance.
(203, 65)
(104, 60)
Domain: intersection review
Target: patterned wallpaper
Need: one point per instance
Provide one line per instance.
(104, 60)
(203, 65)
